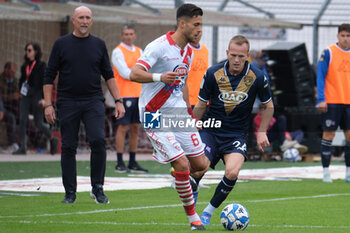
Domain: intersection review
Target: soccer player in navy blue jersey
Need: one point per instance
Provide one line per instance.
(230, 88)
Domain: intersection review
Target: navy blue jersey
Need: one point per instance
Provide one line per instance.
(231, 97)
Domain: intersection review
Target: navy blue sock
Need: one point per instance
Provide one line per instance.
(222, 191)
(326, 152)
(132, 159)
(347, 154)
(119, 157)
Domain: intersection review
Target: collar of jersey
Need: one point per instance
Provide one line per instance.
(168, 36)
(194, 47)
(128, 47)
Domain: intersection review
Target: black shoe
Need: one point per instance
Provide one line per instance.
(20, 151)
(135, 167)
(98, 194)
(53, 145)
(120, 167)
(194, 185)
(69, 198)
(195, 189)
(195, 227)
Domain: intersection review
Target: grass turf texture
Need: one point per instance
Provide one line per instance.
(274, 206)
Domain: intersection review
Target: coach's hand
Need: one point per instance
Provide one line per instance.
(168, 77)
(119, 110)
(50, 114)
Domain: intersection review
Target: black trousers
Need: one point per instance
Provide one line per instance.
(92, 113)
(26, 104)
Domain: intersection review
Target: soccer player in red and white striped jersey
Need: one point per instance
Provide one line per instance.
(162, 69)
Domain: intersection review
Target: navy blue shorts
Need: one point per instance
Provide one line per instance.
(337, 115)
(132, 114)
(217, 146)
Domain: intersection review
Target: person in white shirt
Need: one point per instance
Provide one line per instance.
(124, 57)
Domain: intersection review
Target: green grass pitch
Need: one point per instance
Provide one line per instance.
(274, 206)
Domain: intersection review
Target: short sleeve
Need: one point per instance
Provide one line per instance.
(149, 56)
(264, 91)
(205, 88)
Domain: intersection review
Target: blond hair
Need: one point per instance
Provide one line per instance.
(239, 40)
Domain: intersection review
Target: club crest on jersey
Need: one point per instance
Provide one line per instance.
(248, 80)
(182, 70)
(233, 96)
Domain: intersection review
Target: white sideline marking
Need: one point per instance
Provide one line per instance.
(6, 194)
(305, 197)
(153, 181)
(168, 206)
(171, 224)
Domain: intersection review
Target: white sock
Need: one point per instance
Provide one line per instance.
(194, 218)
(347, 174)
(326, 170)
(210, 209)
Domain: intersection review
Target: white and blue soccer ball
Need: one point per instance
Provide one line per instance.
(234, 217)
(291, 155)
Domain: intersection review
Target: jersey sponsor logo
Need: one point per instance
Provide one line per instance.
(222, 80)
(232, 94)
(233, 97)
(172, 58)
(178, 85)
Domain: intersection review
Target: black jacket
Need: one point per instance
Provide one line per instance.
(36, 78)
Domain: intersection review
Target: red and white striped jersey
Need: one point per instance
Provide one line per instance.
(160, 56)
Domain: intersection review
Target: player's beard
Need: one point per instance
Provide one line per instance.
(190, 38)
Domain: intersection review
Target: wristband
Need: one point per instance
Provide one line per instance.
(46, 106)
(156, 77)
(120, 100)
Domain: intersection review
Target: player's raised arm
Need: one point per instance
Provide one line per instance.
(139, 74)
